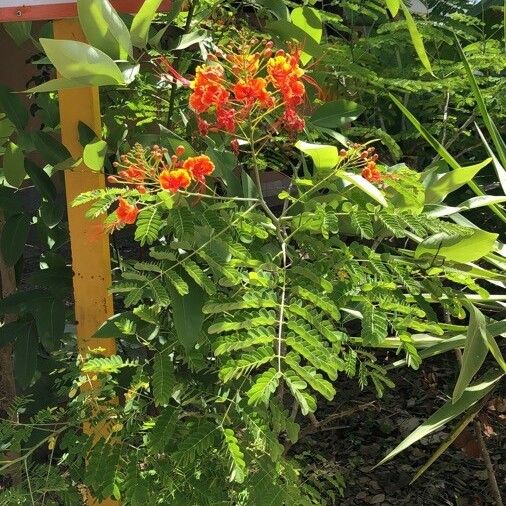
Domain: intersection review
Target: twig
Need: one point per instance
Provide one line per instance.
(488, 464)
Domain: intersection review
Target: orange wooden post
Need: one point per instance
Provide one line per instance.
(90, 251)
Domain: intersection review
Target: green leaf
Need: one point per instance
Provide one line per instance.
(287, 32)
(41, 180)
(238, 465)
(13, 107)
(336, 114)
(9, 332)
(475, 350)
(493, 131)
(471, 395)
(21, 301)
(457, 248)
(308, 20)
(51, 149)
(187, 313)
(77, 60)
(139, 30)
(393, 6)
(63, 83)
(416, 38)
(277, 7)
(148, 226)
(49, 317)
(164, 380)
(450, 181)
(443, 153)
(374, 325)
(263, 388)
(373, 191)
(104, 28)
(94, 155)
(25, 358)
(14, 165)
(161, 434)
(14, 237)
(324, 157)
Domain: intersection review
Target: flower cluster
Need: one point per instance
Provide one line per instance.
(365, 160)
(151, 170)
(250, 82)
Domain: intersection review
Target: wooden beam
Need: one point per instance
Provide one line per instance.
(91, 263)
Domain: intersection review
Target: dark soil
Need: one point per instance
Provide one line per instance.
(349, 447)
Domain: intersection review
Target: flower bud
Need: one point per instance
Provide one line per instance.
(180, 151)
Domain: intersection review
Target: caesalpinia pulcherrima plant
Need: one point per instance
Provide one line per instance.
(253, 310)
(244, 312)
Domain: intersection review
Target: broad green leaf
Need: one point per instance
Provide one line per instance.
(49, 317)
(308, 20)
(94, 155)
(475, 350)
(6, 128)
(104, 28)
(336, 114)
(451, 181)
(163, 377)
(393, 6)
(25, 358)
(373, 191)
(49, 148)
(471, 395)
(187, 313)
(459, 249)
(142, 21)
(21, 301)
(13, 107)
(14, 165)
(9, 332)
(324, 157)
(14, 237)
(277, 7)
(287, 32)
(77, 60)
(41, 180)
(416, 38)
(19, 31)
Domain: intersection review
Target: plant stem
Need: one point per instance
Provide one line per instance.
(173, 90)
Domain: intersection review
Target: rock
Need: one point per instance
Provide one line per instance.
(376, 499)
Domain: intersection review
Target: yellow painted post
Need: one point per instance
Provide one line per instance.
(90, 250)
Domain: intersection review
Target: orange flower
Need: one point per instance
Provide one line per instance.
(126, 213)
(208, 88)
(244, 63)
(371, 173)
(199, 167)
(285, 73)
(174, 180)
(253, 89)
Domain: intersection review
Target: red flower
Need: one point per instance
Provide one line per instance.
(292, 121)
(126, 213)
(174, 180)
(199, 167)
(225, 119)
(135, 173)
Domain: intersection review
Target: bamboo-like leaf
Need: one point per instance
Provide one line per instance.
(471, 395)
(416, 38)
